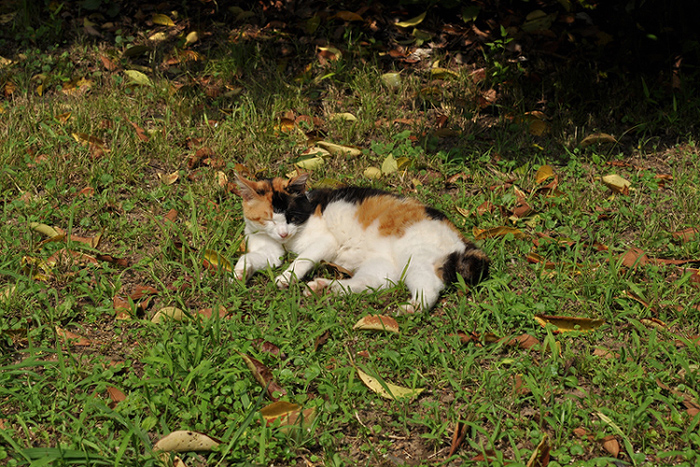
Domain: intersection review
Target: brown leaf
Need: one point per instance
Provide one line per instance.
(604, 353)
(636, 256)
(140, 132)
(267, 347)
(457, 438)
(611, 445)
(348, 16)
(121, 262)
(171, 216)
(540, 456)
(263, 375)
(686, 235)
(209, 312)
(599, 138)
(141, 291)
(108, 63)
(523, 341)
(122, 307)
(72, 338)
(320, 340)
(115, 395)
(533, 257)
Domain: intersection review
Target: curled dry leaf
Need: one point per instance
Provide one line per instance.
(569, 323)
(46, 230)
(185, 441)
(540, 456)
(457, 438)
(480, 234)
(170, 312)
(388, 390)
(219, 311)
(597, 138)
(391, 80)
(345, 116)
(377, 323)
(263, 375)
(163, 20)
(413, 21)
(339, 150)
(535, 258)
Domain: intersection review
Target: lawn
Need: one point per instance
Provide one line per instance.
(121, 326)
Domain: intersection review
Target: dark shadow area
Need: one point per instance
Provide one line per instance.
(627, 69)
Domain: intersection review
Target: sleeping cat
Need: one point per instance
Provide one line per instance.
(382, 238)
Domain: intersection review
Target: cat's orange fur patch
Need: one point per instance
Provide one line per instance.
(259, 208)
(393, 215)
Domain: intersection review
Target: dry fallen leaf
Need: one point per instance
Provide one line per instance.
(377, 323)
(611, 445)
(289, 415)
(569, 323)
(169, 179)
(171, 312)
(544, 173)
(480, 234)
(540, 456)
(597, 138)
(185, 441)
(214, 260)
(339, 149)
(617, 184)
(72, 338)
(263, 375)
(388, 390)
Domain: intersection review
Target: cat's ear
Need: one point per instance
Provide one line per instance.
(246, 188)
(298, 183)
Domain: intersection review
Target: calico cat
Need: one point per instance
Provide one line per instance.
(382, 238)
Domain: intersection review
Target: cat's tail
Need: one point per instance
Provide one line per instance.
(472, 265)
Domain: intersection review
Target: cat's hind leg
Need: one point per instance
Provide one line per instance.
(374, 275)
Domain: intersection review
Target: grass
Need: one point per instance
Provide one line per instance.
(633, 382)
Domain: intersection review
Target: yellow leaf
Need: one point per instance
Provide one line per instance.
(442, 73)
(412, 22)
(373, 173)
(392, 80)
(388, 390)
(64, 117)
(159, 36)
(377, 323)
(389, 165)
(570, 323)
(310, 163)
(221, 179)
(346, 116)
(169, 179)
(163, 20)
(171, 312)
(544, 173)
(339, 150)
(136, 77)
(185, 441)
(538, 127)
(213, 260)
(45, 229)
(617, 183)
(192, 37)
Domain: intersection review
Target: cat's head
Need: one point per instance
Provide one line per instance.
(275, 206)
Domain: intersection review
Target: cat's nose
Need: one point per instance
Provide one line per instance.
(284, 234)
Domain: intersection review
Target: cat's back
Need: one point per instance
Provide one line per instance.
(376, 211)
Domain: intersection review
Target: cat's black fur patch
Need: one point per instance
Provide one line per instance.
(351, 194)
(472, 265)
(435, 214)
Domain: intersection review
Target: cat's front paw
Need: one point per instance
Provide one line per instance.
(410, 308)
(239, 274)
(316, 286)
(284, 279)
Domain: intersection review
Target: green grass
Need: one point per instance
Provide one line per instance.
(577, 388)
